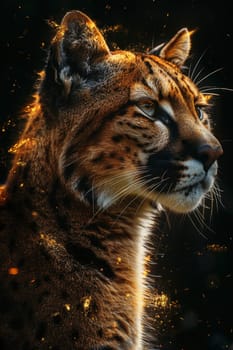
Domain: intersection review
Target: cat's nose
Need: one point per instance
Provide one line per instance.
(208, 154)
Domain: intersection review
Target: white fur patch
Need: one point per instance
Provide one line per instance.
(144, 226)
(66, 78)
(192, 188)
(104, 200)
(193, 173)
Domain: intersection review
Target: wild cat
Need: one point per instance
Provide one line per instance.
(110, 137)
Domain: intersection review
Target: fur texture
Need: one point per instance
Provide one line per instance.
(111, 137)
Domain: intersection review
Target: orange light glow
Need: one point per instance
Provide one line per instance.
(34, 108)
(161, 300)
(119, 260)
(218, 248)
(28, 142)
(67, 307)
(52, 23)
(13, 271)
(87, 302)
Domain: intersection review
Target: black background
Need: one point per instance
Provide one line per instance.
(193, 260)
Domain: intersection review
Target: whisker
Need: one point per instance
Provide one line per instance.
(125, 208)
(100, 186)
(208, 75)
(210, 94)
(213, 88)
(196, 65)
(195, 226)
(226, 140)
(212, 203)
(200, 217)
(197, 75)
(152, 189)
(143, 194)
(217, 195)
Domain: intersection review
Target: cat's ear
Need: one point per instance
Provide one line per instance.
(77, 46)
(177, 49)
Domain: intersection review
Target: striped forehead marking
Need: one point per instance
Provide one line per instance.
(147, 90)
(140, 92)
(168, 77)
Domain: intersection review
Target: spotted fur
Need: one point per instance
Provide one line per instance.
(111, 138)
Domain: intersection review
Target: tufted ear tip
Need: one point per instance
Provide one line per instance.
(75, 16)
(178, 48)
(77, 46)
(76, 50)
(72, 15)
(79, 36)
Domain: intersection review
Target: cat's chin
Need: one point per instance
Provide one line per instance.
(186, 199)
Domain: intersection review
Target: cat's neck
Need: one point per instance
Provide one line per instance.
(114, 239)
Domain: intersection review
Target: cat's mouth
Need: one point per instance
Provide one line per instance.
(187, 189)
(186, 197)
(203, 184)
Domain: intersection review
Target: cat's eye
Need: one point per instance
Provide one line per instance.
(148, 107)
(154, 111)
(200, 112)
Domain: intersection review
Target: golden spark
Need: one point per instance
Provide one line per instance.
(28, 142)
(13, 271)
(67, 307)
(87, 302)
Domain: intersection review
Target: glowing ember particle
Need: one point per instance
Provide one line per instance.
(14, 148)
(34, 214)
(119, 260)
(27, 109)
(13, 271)
(147, 258)
(67, 307)
(52, 23)
(41, 74)
(51, 242)
(161, 300)
(216, 248)
(146, 272)
(87, 303)
(3, 196)
(55, 314)
(112, 29)
(29, 142)
(60, 32)
(20, 163)
(34, 107)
